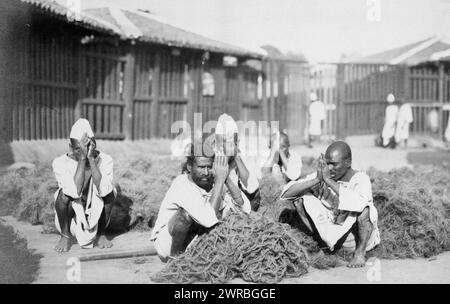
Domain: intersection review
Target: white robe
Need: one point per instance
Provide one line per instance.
(354, 196)
(404, 119)
(447, 131)
(84, 226)
(389, 123)
(317, 113)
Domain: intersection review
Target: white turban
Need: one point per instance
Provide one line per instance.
(226, 126)
(390, 98)
(80, 128)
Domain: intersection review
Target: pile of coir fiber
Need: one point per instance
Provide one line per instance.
(251, 247)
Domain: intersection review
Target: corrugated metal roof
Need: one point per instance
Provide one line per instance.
(411, 54)
(78, 18)
(158, 32)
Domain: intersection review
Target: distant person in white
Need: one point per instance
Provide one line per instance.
(447, 131)
(287, 162)
(84, 199)
(336, 203)
(390, 120)
(195, 202)
(404, 120)
(317, 115)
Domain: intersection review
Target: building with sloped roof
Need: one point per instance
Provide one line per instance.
(131, 75)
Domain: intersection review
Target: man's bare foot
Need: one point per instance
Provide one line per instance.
(63, 245)
(357, 261)
(103, 242)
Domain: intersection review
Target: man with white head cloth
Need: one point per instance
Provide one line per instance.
(390, 120)
(84, 199)
(242, 173)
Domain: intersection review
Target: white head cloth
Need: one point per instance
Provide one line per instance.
(226, 126)
(313, 96)
(390, 98)
(80, 128)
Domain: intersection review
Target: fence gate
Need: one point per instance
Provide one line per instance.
(102, 81)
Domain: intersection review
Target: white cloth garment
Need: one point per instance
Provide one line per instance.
(227, 127)
(317, 113)
(447, 131)
(389, 123)
(404, 119)
(80, 128)
(185, 194)
(84, 226)
(293, 167)
(354, 196)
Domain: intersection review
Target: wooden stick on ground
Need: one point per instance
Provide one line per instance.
(118, 254)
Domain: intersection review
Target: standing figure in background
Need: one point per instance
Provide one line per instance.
(447, 131)
(404, 120)
(316, 117)
(390, 121)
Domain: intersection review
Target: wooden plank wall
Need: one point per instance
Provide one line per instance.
(103, 86)
(362, 96)
(425, 99)
(323, 83)
(43, 88)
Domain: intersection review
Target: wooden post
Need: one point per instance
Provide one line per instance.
(441, 99)
(340, 105)
(81, 77)
(128, 92)
(265, 104)
(155, 95)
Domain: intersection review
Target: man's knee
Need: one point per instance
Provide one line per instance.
(181, 222)
(364, 217)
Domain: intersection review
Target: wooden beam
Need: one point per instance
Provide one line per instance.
(128, 92)
(155, 94)
(441, 78)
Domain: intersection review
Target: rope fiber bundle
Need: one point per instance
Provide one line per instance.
(251, 247)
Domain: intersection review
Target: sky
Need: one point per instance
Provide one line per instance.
(323, 30)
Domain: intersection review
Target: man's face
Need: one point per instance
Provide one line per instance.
(75, 147)
(337, 165)
(201, 172)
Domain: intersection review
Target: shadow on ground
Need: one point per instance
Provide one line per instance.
(428, 157)
(6, 154)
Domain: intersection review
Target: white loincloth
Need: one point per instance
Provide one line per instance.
(330, 232)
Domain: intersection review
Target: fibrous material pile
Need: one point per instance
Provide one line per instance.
(251, 247)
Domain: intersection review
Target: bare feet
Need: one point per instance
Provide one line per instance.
(63, 245)
(357, 261)
(103, 242)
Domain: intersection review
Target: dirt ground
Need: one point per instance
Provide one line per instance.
(58, 268)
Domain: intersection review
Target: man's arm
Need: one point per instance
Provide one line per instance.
(284, 159)
(235, 192)
(95, 171)
(300, 188)
(242, 170)
(221, 175)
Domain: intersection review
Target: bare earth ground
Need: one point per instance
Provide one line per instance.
(54, 267)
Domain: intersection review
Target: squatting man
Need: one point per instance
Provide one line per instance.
(336, 204)
(207, 191)
(85, 195)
